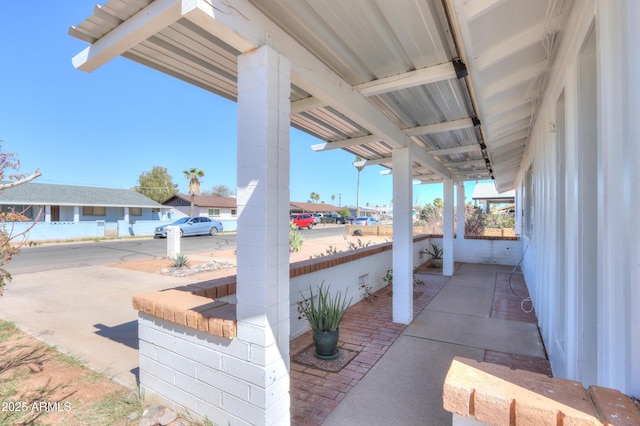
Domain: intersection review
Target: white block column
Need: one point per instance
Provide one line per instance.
(402, 237)
(76, 214)
(263, 229)
(460, 210)
(47, 213)
(447, 237)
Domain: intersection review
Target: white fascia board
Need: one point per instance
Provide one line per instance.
(150, 20)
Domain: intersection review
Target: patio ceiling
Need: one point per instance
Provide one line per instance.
(456, 80)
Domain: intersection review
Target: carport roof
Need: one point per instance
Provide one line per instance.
(30, 194)
(457, 81)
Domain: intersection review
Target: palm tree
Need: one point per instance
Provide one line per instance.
(193, 174)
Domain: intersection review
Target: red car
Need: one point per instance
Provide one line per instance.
(303, 220)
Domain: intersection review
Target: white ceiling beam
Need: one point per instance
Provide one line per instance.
(415, 78)
(509, 47)
(514, 80)
(497, 122)
(508, 138)
(476, 8)
(457, 150)
(306, 104)
(150, 20)
(446, 126)
(244, 27)
(327, 146)
(472, 163)
(378, 161)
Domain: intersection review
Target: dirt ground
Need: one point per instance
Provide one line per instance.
(310, 248)
(40, 386)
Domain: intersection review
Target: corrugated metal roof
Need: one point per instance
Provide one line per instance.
(31, 194)
(401, 56)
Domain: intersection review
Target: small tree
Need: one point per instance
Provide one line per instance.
(193, 174)
(156, 184)
(219, 191)
(11, 243)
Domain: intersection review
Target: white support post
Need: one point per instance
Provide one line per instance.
(460, 210)
(76, 214)
(402, 237)
(126, 214)
(447, 237)
(47, 213)
(263, 229)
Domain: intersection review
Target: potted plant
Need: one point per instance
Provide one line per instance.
(436, 255)
(324, 313)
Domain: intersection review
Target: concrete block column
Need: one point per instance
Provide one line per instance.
(263, 228)
(402, 237)
(447, 237)
(460, 210)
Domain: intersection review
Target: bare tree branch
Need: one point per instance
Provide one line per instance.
(20, 182)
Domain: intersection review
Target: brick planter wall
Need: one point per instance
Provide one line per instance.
(480, 393)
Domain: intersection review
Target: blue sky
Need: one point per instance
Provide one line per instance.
(107, 127)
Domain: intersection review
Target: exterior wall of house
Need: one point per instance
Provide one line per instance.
(88, 226)
(578, 188)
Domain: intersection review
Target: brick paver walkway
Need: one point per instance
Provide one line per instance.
(368, 329)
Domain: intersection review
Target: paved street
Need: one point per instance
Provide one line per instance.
(48, 257)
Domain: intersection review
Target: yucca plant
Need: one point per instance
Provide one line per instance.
(325, 313)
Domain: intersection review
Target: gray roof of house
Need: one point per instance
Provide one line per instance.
(71, 195)
(487, 191)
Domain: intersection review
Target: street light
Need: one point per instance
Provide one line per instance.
(358, 164)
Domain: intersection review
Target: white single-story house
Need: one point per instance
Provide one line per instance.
(223, 209)
(485, 194)
(541, 96)
(72, 211)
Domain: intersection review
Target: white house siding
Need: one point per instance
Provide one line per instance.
(582, 255)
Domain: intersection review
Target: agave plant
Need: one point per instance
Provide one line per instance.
(435, 252)
(180, 261)
(325, 313)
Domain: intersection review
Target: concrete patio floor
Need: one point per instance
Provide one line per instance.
(398, 371)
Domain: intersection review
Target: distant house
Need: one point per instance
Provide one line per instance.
(70, 211)
(298, 207)
(219, 208)
(486, 195)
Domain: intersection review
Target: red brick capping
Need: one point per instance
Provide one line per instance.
(498, 395)
(190, 310)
